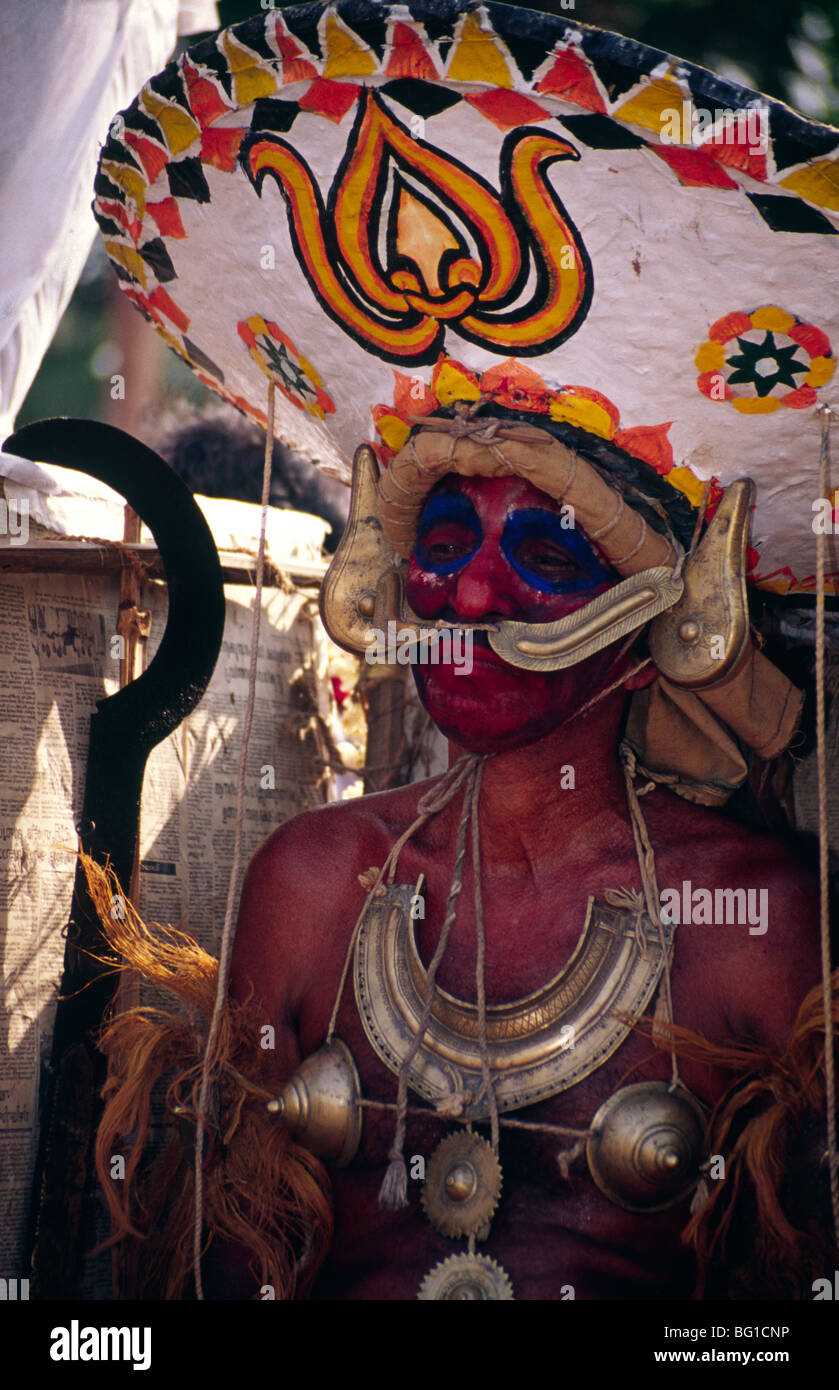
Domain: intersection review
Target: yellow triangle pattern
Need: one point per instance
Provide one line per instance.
(653, 107)
(130, 259)
(179, 129)
(131, 180)
(479, 57)
(818, 183)
(250, 79)
(345, 56)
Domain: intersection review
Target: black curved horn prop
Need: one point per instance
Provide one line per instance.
(123, 732)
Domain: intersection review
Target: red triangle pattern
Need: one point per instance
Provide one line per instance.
(571, 78)
(409, 56)
(694, 168)
(507, 110)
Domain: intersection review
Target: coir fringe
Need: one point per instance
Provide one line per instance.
(764, 1230)
(267, 1204)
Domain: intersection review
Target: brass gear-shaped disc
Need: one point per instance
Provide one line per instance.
(461, 1277)
(462, 1185)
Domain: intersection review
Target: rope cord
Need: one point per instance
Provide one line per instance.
(821, 766)
(426, 1112)
(429, 805)
(649, 883)
(393, 1192)
(228, 930)
(480, 962)
(621, 680)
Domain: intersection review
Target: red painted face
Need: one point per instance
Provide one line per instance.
(494, 548)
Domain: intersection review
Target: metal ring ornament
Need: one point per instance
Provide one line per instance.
(462, 1278)
(462, 1185)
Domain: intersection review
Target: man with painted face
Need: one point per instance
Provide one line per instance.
(486, 950)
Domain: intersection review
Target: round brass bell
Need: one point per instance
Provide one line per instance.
(646, 1146)
(319, 1105)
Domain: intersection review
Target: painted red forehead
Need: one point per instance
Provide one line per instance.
(494, 498)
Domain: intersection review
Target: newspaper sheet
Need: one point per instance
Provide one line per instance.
(55, 662)
(55, 666)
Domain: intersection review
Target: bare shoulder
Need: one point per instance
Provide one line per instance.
(301, 894)
(713, 843)
(748, 904)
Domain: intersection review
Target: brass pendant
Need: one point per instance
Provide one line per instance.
(466, 1277)
(539, 1045)
(462, 1186)
(646, 1146)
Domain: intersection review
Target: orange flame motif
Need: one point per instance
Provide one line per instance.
(410, 241)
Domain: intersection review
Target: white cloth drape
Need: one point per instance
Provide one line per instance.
(66, 68)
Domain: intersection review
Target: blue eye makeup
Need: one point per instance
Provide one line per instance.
(548, 556)
(449, 533)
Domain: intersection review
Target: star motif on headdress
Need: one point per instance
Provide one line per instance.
(765, 365)
(289, 373)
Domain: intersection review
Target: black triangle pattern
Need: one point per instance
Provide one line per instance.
(619, 63)
(103, 188)
(216, 64)
(271, 114)
(137, 120)
(302, 22)
(526, 52)
(784, 214)
(251, 33)
(369, 20)
(438, 20)
(120, 154)
(156, 256)
(796, 146)
(202, 360)
(425, 98)
(107, 226)
(169, 84)
(186, 180)
(601, 133)
(123, 274)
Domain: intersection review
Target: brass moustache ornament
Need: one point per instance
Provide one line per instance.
(364, 586)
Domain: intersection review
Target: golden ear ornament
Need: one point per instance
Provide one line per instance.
(363, 560)
(700, 637)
